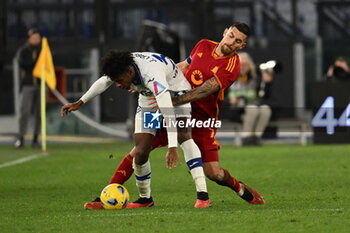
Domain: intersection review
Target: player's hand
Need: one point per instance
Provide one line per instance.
(233, 100)
(330, 71)
(153, 102)
(70, 107)
(131, 91)
(172, 158)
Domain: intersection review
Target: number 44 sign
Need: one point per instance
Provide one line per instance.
(325, 116)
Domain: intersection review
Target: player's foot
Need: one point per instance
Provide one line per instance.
(250, 195)
(94, 205)
(35, 144)
(19, 143)
(202, 204)
(251, 141)
(141, 202)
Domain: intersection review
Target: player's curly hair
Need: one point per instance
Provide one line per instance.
(116, 63)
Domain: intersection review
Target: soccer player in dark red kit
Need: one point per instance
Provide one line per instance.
(211, 69)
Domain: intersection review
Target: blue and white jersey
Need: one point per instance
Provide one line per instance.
(156, 74)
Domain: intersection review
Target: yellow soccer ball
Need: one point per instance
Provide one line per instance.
(114, 197)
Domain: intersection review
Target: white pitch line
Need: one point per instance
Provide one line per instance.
(131, 213)
(22, 160)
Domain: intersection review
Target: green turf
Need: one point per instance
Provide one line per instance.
(305, 188)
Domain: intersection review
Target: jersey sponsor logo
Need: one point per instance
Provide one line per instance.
(197, 77)
(151, 120)
(200, 55)
(158, 87)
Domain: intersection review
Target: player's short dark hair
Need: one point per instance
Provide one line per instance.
(340, 59)
(242, 27)
(33, 31)
(116, 63)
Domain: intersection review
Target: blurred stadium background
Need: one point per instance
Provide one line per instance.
(305, 36)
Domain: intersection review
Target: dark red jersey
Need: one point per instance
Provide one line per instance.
(205, 64)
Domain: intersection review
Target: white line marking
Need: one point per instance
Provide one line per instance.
(22, 160)
(131, 213)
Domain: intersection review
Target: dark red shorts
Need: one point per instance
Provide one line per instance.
(204, 138)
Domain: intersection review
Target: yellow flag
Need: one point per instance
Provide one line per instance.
(44, 65)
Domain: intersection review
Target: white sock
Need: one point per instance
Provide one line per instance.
(143, 178)
(194, 163)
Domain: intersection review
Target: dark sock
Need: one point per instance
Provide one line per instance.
(247, 196)
(202, 196)
(144, 200)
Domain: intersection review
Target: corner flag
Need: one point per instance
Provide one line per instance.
(45, 70)
(44, 65)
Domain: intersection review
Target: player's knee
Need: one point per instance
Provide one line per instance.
(182, 137)
(183, 133)
(141, 155)
(213, 175)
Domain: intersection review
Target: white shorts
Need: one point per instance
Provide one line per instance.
(143, 106)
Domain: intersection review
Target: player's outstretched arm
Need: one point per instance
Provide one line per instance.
(99, 86)
(208, 87)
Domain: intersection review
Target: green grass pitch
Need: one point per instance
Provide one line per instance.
(306, 190)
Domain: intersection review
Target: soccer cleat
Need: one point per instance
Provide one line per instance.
(202, 204)
(250, 195)
(94, 205)
(141, 202)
